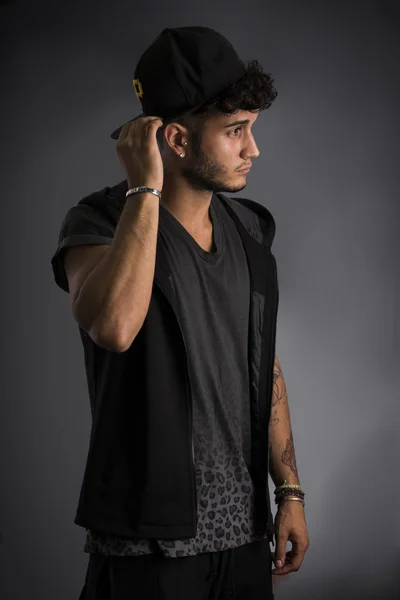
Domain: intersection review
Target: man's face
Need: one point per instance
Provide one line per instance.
(219, 152)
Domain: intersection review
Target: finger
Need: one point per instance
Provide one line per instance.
(280, 551)
(137, 131)
(285, 570)
(294, 560)
(149, 120)
(155, 123)
(142, 122)
(149, 125)
(128, 130)
(124, 131)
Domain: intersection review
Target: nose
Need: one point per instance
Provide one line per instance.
(251, 150)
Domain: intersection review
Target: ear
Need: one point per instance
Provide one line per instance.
(174, 134)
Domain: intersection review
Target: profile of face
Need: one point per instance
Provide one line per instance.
(215, 156)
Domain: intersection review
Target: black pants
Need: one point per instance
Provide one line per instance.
(243, 573)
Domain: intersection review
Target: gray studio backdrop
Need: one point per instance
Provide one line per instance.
(328, 172)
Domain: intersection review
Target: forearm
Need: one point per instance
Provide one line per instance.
(282, 464)
(116, 294)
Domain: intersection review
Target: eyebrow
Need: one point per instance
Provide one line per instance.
(244, 122)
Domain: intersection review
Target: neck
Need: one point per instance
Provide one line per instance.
(189, 206)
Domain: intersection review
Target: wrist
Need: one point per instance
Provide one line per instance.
(289, 492)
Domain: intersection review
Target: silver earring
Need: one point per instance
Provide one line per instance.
(182, 154)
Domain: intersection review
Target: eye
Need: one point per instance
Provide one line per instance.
(233, 130)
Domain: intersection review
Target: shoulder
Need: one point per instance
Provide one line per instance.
(97, 210)
(102, 201)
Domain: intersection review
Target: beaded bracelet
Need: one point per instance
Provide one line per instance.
(285, 485)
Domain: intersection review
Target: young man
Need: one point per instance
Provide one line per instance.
(174, 288)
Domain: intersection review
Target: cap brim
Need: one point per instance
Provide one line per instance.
(115, 134)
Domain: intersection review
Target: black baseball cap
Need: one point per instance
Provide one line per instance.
(181, 70)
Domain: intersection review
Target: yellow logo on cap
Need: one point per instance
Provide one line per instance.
(137, 86)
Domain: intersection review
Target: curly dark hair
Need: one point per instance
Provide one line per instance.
(254, 92)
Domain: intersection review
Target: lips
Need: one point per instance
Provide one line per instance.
(245, 168)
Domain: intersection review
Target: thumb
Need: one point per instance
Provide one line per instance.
(280, 552)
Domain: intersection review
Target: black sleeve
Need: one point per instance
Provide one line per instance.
(83, 224)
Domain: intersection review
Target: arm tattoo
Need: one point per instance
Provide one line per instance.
(279, 388)
(273, 418)
(288, 457)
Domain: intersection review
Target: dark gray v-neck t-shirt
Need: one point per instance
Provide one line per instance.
(213, 296)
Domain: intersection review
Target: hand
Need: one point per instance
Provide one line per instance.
(290, 525)
(139, 153)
